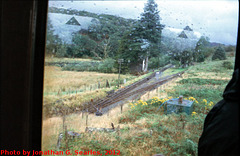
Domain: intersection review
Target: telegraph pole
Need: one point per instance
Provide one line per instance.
(120, 62)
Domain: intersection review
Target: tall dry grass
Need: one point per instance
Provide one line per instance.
(52, 127)
(55, 79)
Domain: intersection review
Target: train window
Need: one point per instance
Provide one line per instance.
(131, 77)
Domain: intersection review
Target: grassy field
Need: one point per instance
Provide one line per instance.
(145, 130)
(66, 60)
(55, 79)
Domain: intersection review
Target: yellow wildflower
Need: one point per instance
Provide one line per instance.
(194, 113)
(204, 100)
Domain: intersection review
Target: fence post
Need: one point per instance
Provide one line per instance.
(99, 85)
(87, 118)
(63, 121)
(107, 84)
(66, 137)
(121, 108)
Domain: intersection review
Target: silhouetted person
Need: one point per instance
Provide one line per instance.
(220, 135)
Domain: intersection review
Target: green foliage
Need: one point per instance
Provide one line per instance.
(230, 48)
(219, 54)
(54, 44)
(107, 66)
(107, 31)
(199, 81)
(83, 45)
(227, 65)
(182, 59)
(213, 93)
(71, 12)
(101, 40)
(202, 49)
(156, 62)
(143, 39)
(130, 48)
(150, 27)
(82, 66)
(150, 22)
(139, 109)
(187, 147)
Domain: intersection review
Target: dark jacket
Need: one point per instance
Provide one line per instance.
(220, 135)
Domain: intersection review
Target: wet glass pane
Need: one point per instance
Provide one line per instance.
(120, 75)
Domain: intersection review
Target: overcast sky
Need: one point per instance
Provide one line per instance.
(216, 19)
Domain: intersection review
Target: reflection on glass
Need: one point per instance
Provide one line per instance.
(113, 67)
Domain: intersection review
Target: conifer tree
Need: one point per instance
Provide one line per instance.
(151, 31)
(219, 54)
(143, 39)
(151, 27)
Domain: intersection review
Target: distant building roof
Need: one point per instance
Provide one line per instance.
(187, 39)
(183, 35)
(73, 21)
(187, 28)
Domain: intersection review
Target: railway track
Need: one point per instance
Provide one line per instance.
(130, 92)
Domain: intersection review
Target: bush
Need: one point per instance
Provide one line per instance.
(156, 62)
(230, 48)
(107, 66)
(227, 65)
(61, 51)
(201, 81)
(219, 54)
(182, 59)
(82, 66)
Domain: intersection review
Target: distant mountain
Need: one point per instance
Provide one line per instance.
(215, 44)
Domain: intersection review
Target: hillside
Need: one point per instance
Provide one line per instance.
(63, 27)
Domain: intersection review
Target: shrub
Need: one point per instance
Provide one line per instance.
(201, 81)
(107, 66)
(82, 66)
(219, 54)
(183, 58)
(156, 62)
(61, 51)
(230, 48)
(227, 65)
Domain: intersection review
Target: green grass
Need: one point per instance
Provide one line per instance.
(146, 130)
(199, 81)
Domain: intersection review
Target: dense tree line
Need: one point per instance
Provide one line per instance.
(136, 42)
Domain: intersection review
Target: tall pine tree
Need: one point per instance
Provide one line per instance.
(151, 27)
(143, 39)
(151, 30)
